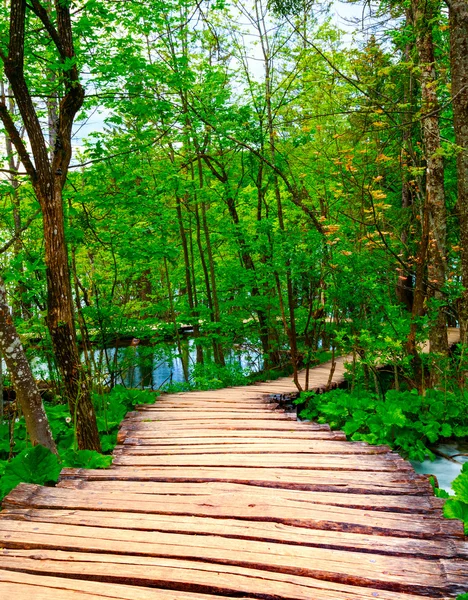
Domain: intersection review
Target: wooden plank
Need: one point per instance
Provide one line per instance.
(417, 577)
(224, 425)
(186, 416)
(216, 435)
(388, 462)
(338, 565)
(42, 587)
(251, 530)
(315, 480)
(214, 405)
(249, 445)
(386, 503)
(281, 510)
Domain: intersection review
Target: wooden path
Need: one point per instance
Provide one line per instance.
(220, 495)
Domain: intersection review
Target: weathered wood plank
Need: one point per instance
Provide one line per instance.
(219, 425)
(250, 530)
(379, 463)
(402, 482)
(186, 416)
(386, 503)
(249, 445)
(217, 435)
(241, 506)
(42, 587)
(338, 565)
(417, 578)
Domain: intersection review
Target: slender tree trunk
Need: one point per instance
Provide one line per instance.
(217, 346)
(404, 288)
(418, 303)
(173, 319)
(424, 14)
(28, 396)
(459, 65)
(61, 322)
(291, 326)
(188, 277)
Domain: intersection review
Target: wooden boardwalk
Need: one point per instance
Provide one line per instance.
(221, 495)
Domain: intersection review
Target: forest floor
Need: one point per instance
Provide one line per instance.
(219, 494)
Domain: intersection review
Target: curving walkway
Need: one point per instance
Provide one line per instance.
(219, 494)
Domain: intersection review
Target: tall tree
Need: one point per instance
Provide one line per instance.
(425, 14)
(48, 174)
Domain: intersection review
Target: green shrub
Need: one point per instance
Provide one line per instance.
(405, 420)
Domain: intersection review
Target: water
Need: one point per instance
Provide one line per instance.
(154, 367)
(151, 367)
(445, 470)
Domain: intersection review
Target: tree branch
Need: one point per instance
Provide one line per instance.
(42, 14)
(14, 70)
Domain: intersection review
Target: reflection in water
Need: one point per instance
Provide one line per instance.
(152, 367)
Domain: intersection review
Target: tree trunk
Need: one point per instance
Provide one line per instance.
(61, 323)
(27, 394)
(424, 14)
(459, 65)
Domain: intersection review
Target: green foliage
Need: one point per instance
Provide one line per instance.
(405, 420)
(85, 459)
(210, 376)
(33, 465)
(457, 507)
(111, 408)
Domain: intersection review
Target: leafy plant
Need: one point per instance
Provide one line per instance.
(457, 507)
(404, 420)
(33, 465)
(85, 459)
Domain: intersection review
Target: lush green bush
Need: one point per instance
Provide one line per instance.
(402, 419)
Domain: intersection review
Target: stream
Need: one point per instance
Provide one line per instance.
(444, 470)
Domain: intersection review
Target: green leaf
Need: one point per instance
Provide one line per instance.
(460, 485)
(86, 459)
(455, 509)
(34, 465)
(446, 430)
